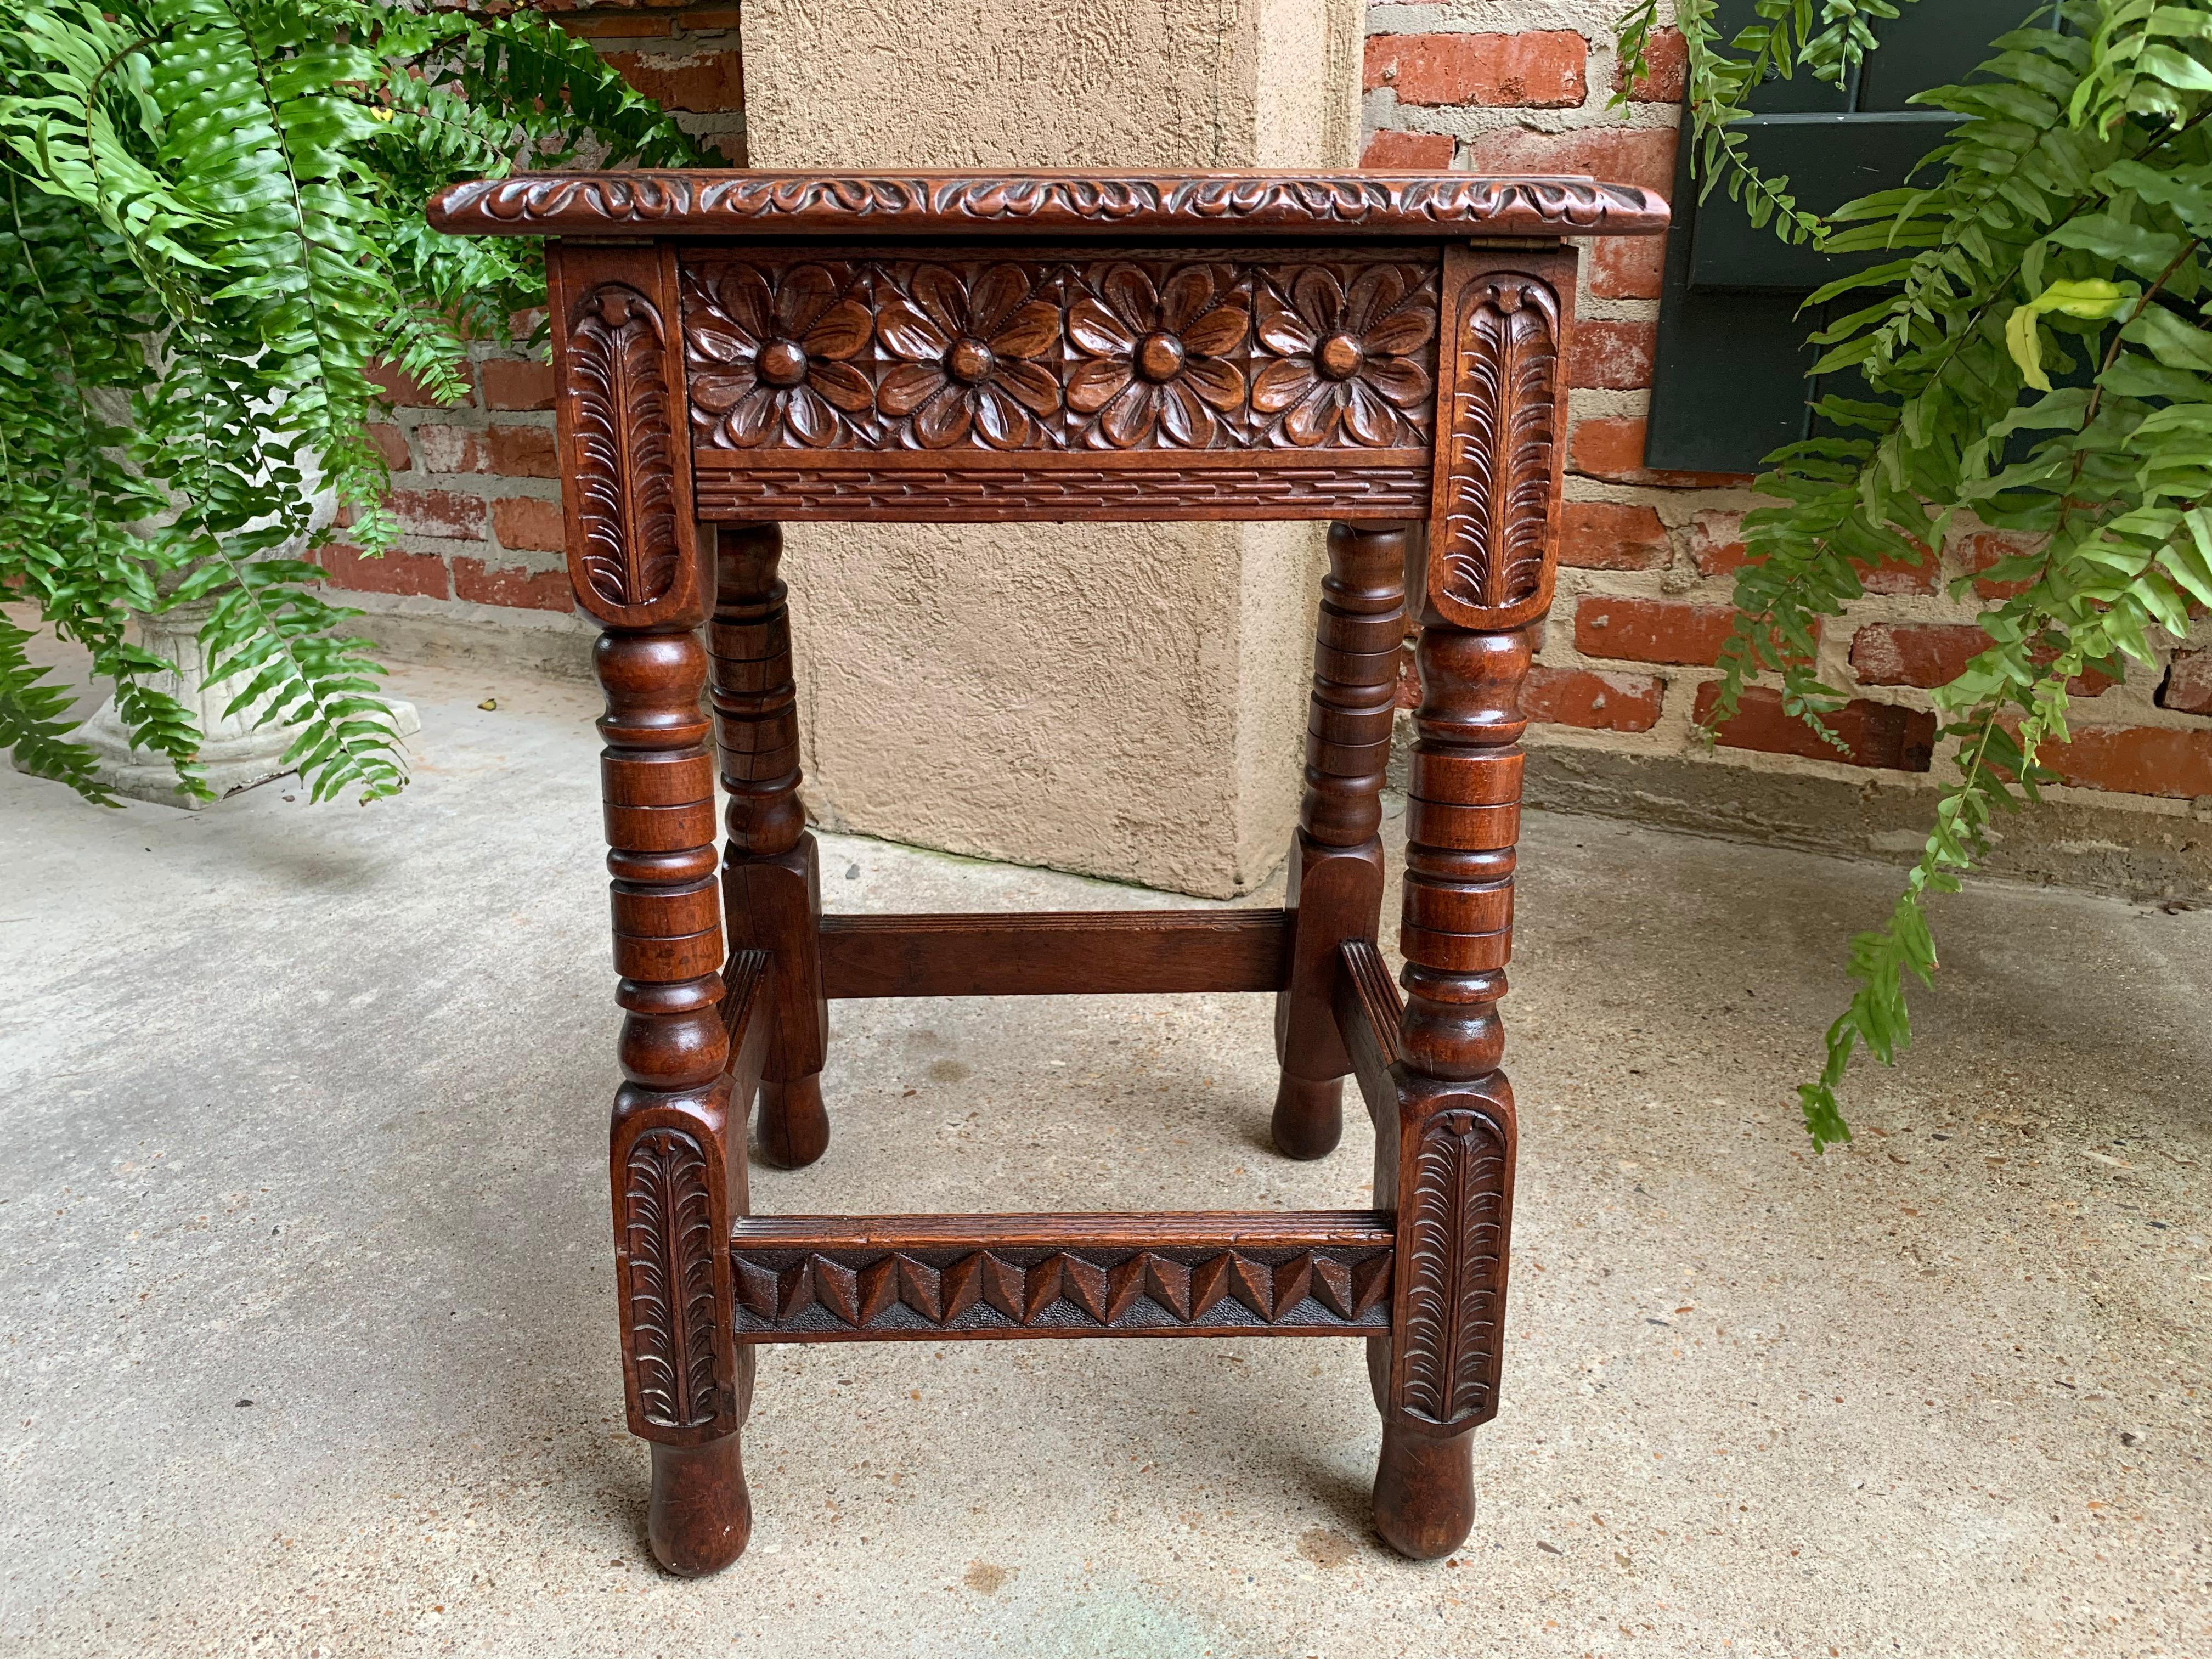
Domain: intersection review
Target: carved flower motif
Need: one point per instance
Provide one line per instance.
(775, 358)
(1341, 356)
(964, 355)
(1154, 355)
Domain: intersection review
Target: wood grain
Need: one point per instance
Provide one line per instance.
(1439, 205)
(771, 875)
(1049, 953)
(1335, 883)
(1444, 1159)
(928, 1278)
(1368, 1012)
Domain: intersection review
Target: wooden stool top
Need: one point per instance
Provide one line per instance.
(940, 347)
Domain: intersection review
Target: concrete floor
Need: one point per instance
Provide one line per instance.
(309, 1318)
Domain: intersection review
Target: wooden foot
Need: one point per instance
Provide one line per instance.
(1424, 1492)
(794, 1124)
(1309, 1116)
(700, 1516)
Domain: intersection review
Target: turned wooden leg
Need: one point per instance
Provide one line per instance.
(1448, 1168)
(678, 1163)
(772, 877)
(1336, 852)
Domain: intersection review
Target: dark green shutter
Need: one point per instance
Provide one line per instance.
(1729, 377)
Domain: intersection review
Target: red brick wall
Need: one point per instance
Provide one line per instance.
(1647, 558)
(474, 483)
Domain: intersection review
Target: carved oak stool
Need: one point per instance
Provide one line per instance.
(737, 349)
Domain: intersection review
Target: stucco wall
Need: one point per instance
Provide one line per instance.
(1124, 700)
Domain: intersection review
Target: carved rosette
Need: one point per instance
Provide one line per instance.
(1454, 1270)
(769, 354)
(1500, 460)
(1350, 360)
(1156, 360)
(989, 355)
(668, 1248)
(966, 350)
(627, 551)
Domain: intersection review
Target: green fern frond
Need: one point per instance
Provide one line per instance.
(211, 232)
(2066, 212)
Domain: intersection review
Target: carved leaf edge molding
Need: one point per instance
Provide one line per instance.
(534, 204)
(1502, 431)
(624, 475)
(668, 1237)
(1449, 1347)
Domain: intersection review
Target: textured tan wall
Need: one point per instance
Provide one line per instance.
(1123, 700)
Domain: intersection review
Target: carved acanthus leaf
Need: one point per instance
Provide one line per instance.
(668, 1250)
(1450, 1345)
(1503, 427)
(624, 480)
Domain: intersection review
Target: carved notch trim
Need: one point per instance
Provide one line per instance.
(627, 552)
(817, 490)
(668, 1290)
(1504, 423)
(1454, 1270)
(797, 1296)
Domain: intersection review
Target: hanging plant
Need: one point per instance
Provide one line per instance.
(212, 230)
(2058, 230)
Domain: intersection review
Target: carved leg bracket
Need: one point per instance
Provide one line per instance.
(671, 1165)
(690, 1383)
